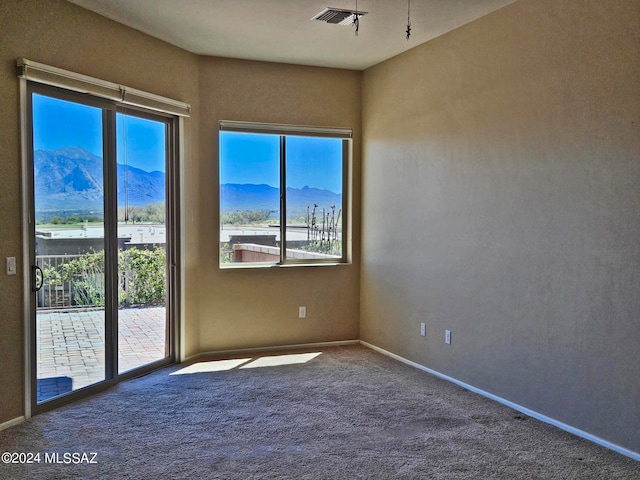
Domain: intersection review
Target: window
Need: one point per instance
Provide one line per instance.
(283, 192)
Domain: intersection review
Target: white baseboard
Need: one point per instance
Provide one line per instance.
(11, 423)
(515, 406)
(260, 350)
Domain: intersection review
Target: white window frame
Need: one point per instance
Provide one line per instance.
(284, 130)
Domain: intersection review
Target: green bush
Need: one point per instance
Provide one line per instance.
(244, 217)
(141, 277)
(86, 275)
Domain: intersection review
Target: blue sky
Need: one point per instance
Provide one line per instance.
(144, 142)
(58, 123)
(244, 157)
(249, 158)
(254, 158)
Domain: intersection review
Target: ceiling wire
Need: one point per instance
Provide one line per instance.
(408, 19)
(356, 19)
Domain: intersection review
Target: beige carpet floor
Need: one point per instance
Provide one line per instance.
(336, 413)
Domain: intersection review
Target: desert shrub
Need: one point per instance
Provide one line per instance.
(141, 277)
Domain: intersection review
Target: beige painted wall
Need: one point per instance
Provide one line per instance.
(259, 307)
(501, 200)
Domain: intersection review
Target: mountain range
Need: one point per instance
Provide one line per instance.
(71, 178)
(234, 196)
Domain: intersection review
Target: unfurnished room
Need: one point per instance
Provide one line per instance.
(293, 239)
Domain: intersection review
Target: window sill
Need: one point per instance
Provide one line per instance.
(241, 266)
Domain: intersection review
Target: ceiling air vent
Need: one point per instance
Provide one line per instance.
(338, 16)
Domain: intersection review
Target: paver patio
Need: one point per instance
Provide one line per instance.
(71, 345)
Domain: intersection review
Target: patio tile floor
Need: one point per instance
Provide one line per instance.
(71, 349)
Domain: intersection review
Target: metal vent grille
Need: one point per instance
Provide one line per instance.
(337, 16)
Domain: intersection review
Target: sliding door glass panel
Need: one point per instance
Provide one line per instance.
(142, 241)
(249, 198)
(314, 167)
(69, 245)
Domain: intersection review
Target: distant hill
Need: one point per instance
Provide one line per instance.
(72, 178)
(235, 196)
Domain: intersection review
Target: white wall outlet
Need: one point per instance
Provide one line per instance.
(447, 337)
(11, 265)
(423, 329)
(302, 312)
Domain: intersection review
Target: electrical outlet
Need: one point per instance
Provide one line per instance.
(11, 265)
(423, 329)
(302, 312)
(447, 337)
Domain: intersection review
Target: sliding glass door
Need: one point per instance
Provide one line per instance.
(69, 265)
(142, 231)
(102, 243)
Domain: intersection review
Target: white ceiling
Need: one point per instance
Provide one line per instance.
(282, 30)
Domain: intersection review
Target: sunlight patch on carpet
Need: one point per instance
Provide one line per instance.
(261, 362)
(279, 360)
(214, 366)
